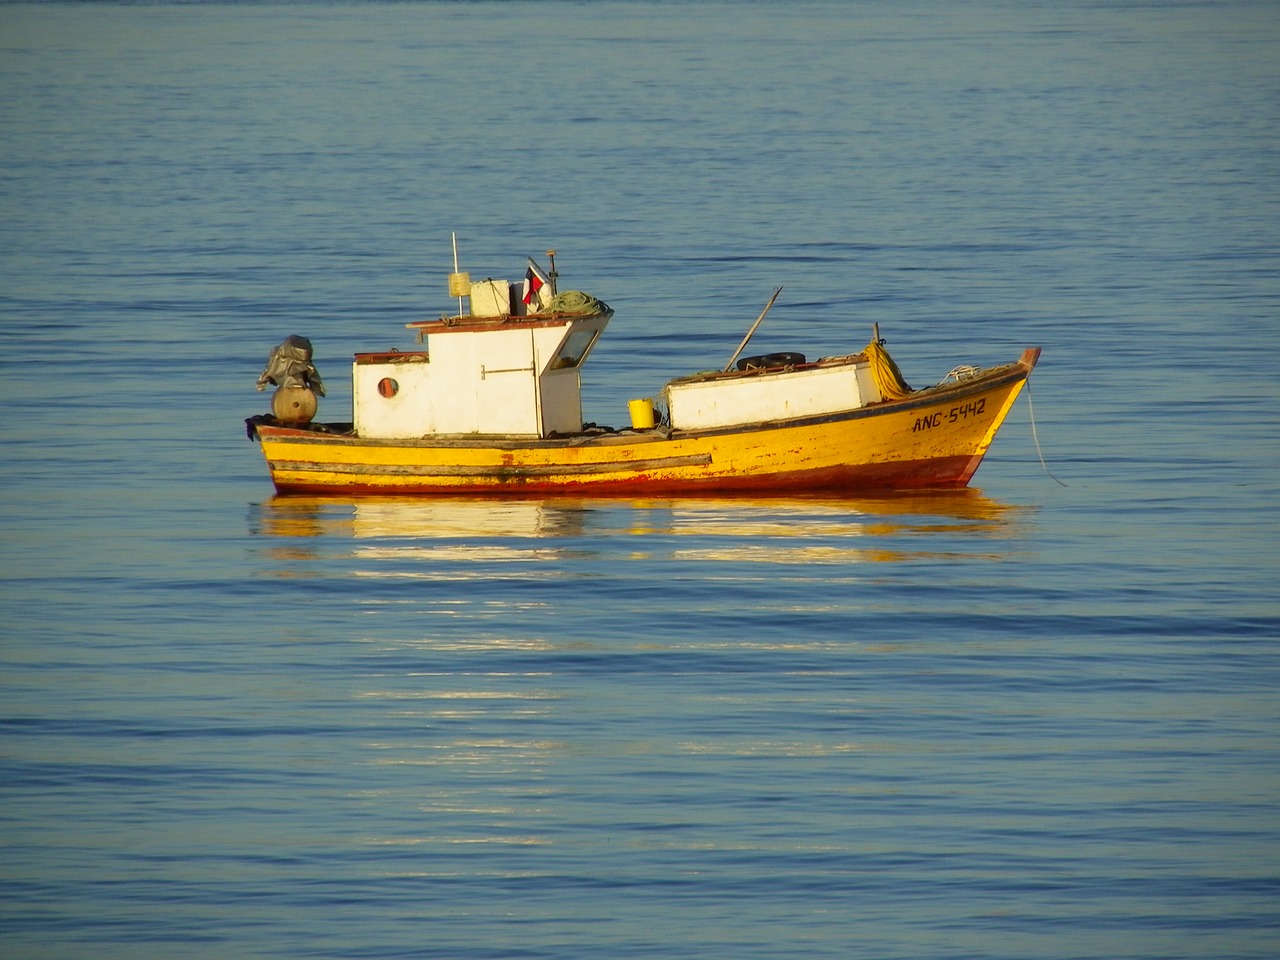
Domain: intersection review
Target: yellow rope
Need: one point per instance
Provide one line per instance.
(887, 375)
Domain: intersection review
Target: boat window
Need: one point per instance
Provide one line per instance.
(574, 348)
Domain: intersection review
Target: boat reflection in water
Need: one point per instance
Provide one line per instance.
(797, 530)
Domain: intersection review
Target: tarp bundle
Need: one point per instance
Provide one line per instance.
(289, 365)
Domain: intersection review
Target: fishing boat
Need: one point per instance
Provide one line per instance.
(492, 405)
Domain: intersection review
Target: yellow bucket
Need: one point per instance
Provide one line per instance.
(641, 413)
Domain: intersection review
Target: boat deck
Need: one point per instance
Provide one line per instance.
(595, 435)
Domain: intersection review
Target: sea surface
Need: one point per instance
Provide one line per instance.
(1036, 719)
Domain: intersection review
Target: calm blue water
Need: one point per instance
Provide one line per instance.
(1028, 721)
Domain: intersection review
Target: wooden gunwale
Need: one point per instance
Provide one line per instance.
(509, 470)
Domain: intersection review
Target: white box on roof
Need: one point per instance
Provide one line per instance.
(490, 298)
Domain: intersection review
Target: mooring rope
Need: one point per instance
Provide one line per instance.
(1036, 436)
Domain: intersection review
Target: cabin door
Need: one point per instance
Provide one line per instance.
(507, 384)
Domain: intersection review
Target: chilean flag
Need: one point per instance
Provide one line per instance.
(533, 282)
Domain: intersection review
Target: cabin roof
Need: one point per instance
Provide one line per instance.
(468, 324)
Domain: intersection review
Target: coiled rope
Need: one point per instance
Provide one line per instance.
(886, 373)
(578, 303)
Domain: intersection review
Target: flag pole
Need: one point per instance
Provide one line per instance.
(551, 275)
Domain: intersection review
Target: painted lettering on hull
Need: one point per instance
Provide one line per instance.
(973, 408)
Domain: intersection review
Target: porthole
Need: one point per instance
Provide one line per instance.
(388, 387)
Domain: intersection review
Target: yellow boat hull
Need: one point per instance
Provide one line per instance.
(934, 438)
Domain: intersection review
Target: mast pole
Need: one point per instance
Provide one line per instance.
(455, 266)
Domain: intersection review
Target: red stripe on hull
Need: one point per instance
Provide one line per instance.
(943, 473)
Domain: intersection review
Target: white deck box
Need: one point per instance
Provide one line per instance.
(708, 403)
(490, 298)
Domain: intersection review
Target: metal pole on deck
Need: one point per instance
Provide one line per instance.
(455, 267)
(743, 345)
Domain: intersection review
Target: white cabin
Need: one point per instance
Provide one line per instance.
(511, 376)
